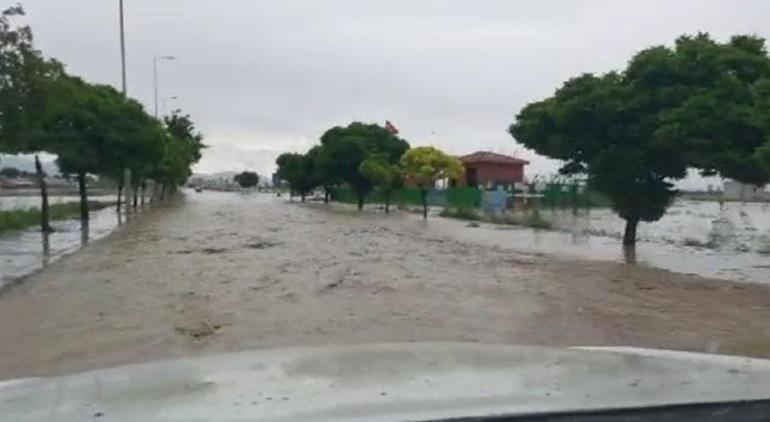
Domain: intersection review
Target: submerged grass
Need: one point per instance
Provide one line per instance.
(535, 220)
(19, 219)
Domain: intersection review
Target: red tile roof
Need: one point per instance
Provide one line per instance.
(491, 157)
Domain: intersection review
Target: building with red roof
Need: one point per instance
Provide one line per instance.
(484, 168)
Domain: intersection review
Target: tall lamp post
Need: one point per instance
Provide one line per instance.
(126, 171)
(155, 77)
(122, 48)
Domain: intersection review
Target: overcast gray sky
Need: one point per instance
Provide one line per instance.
(263, 77)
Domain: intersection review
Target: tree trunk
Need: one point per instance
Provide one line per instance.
(327, 193)
(163, 192)
(424, 195)
(83, 195)
(387, 201)
(136, 196)
(302, 197)
(360, 201)
(142, 188)
(120, 194)
(127, 189)
(629, 237)
(45, 225)
(154, 191)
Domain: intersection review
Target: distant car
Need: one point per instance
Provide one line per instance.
(407, 382)
(198, 189)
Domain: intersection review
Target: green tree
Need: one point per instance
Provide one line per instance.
(82, 132)
(247, 179)
(424, 166)
(598, 126)
(344, 149)
(297, 171)
(323, 171)
(26, 83)
(98, 131)
(382, 174)
(763, 156)
(699, 104)
(183, 147)
(713, 98)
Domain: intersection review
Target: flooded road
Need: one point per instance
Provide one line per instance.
(217, 272)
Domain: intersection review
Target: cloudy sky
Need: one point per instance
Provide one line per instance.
(261, 77)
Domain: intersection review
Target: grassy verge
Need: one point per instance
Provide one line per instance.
(532, 220)
(19, 219)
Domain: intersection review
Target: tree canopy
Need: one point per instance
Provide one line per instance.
(698, 104)
(27, 84)
(247, 179)
(297, 170)
(424, 166)
(383, 174)
(346, 148)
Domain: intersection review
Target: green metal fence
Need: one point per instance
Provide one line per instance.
(463, 197)
(555, 195)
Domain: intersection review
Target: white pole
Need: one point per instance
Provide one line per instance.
(126, 172)
(123, 48)
(155, 82)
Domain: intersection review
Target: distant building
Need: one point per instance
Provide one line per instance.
(486, 169)
(736, 191)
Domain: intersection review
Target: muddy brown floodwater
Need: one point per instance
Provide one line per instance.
(217, 272)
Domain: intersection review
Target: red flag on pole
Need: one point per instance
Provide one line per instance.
(392, 129)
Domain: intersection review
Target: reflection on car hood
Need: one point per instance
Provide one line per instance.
(386, 382)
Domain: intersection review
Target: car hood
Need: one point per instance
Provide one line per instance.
(386, 382)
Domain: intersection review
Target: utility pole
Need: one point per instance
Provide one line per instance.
(126, 171)
(123, 47)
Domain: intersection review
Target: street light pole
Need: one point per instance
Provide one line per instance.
(123, 47)
(126, 171)
(155, 77)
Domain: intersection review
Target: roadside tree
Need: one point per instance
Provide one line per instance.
(81, 131)
(324, 173)
(383, 174)
(296, 170)
(635, 132)
(714, 99)
(27, 80)
(424, 166)
(246, 179)
(346, 148)
(183, 148)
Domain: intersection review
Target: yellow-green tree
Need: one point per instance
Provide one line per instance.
(423, 166)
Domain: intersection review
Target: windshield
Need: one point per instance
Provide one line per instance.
(183, 179)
